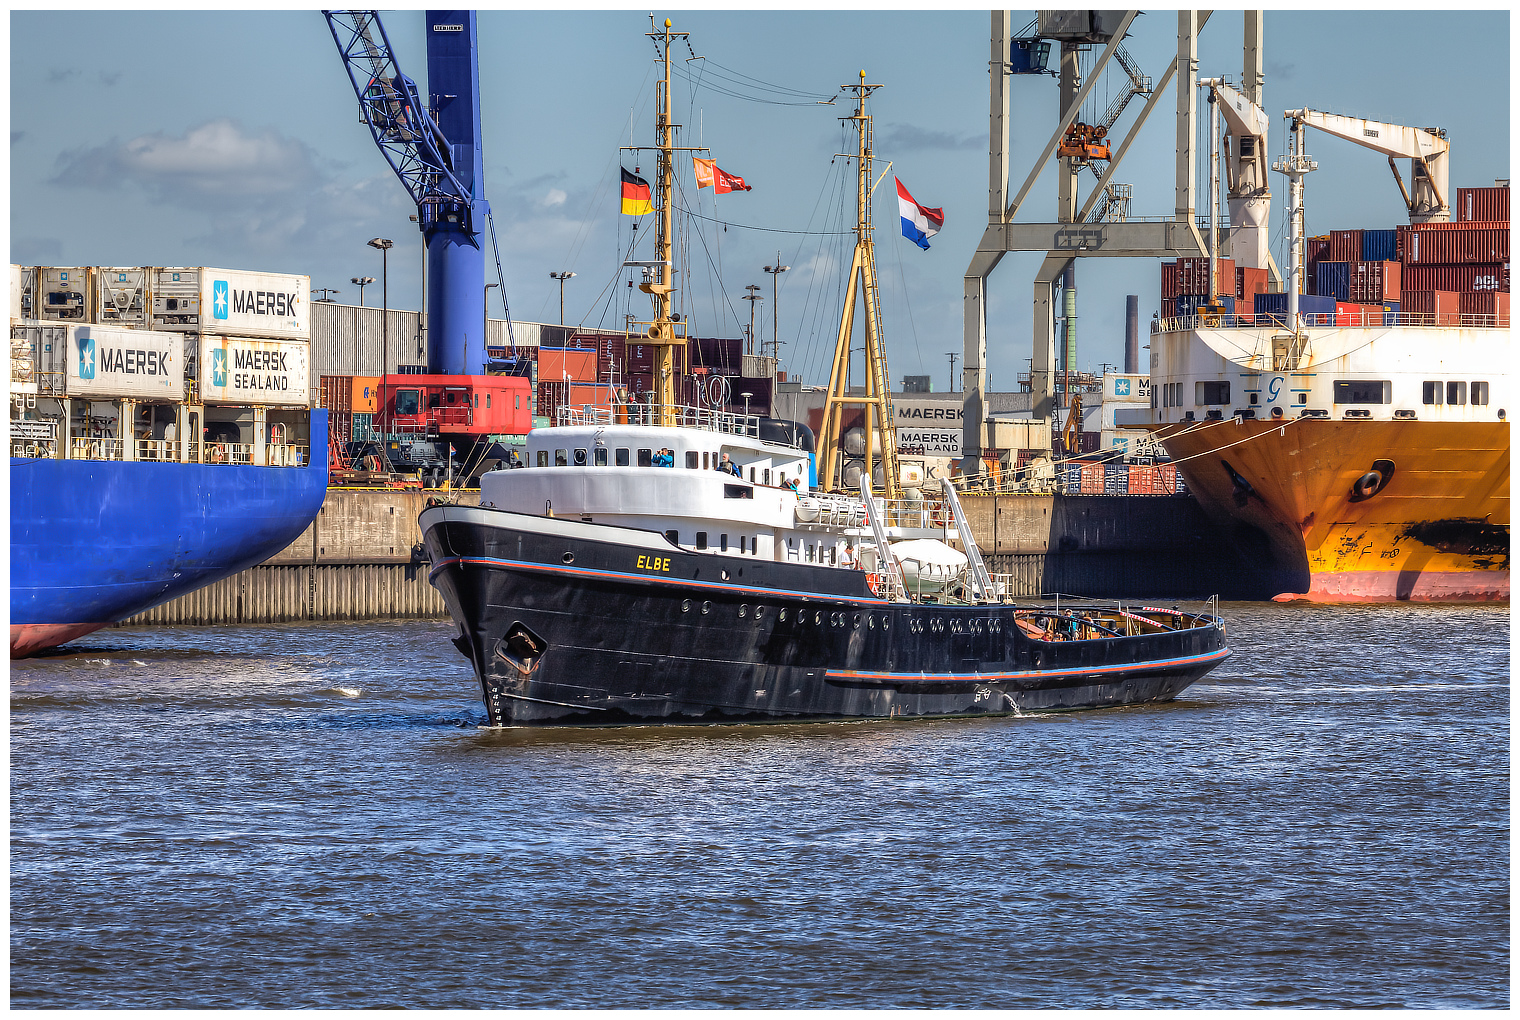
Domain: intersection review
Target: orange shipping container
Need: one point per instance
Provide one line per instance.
(554, 364)
(1485, 308)
(366, 393)
(1092, 479)
(1142, 479)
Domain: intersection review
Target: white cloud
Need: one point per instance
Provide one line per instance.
(553, 198)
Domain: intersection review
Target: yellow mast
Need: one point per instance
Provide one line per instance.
(664, 332)
(878, 395)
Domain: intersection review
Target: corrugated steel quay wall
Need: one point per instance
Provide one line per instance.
(355, 561)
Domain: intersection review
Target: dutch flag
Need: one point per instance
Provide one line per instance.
(919, 223)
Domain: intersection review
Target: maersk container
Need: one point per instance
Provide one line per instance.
(63, 293)
(247, 370)
(229, 302)
(1380, 245)
(1456, 278)
(1333, 280)
(23, 292)
(120, 296)
(1483, 204)
(114, 361)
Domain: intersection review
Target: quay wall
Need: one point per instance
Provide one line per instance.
(359, 560)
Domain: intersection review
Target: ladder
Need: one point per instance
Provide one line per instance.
(888, 567)
(981, 581)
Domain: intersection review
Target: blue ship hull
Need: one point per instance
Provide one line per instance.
(95, 542)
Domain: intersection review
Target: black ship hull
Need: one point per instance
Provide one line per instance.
(568, 623)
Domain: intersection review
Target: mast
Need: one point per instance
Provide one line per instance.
(665, 333)
(877, 398)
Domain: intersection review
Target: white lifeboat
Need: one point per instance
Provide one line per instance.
(928, 564)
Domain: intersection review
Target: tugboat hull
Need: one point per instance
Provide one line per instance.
(569, 623)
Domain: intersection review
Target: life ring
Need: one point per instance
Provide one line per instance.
(873, 581)
(277, 434)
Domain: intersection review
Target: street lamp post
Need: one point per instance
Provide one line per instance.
(325, 292)
(385, 314)
(775, 272)
(561, 277)
(952, 356)
(362, 281)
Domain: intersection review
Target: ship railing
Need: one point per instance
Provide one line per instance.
(158, 449)
(914, 513)
(52, 384)
(1360, 319)
(228, 453)
(33, 449)
(705, 418)
(95, 448)
(285, 455)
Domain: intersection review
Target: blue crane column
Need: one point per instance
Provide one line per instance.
(451, 228)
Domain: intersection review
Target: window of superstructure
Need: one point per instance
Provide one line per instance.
(752, 474)
(723, 543)
(600, 456)
(543, 458)
(674, 536)
(701, 540)
(691, 459)
(1431, 391)
(561, 459)
(743, 541)
(767, 476)
(622, 456)
(807, 552)
(1212, 392)
(408, 401)
(1456, 392)
(833, 555)
(704, 460)
(1480, 393)
(580, 458)
(646, 458)
(1363, 391)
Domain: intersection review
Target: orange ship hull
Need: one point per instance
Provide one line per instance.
(1436, 529)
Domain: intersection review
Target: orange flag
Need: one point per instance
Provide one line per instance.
(710, 175)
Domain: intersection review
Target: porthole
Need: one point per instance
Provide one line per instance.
(686, 605)
(886, 624)
(817, 617)
(870, 623)
(569, 557)
(743, 612)
(759, 612)
(706, 608)
(781, 616)
(857, 620)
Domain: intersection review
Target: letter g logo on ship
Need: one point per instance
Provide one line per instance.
(219, 299)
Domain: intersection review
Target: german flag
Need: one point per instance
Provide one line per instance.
(635, 195)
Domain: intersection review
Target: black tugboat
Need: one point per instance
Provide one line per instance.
(659, 563)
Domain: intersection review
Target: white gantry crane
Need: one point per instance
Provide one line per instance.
(1250, 198)
(1426, 149)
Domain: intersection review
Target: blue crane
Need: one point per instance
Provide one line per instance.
(434, 147)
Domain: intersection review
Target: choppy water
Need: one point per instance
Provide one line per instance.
(307, 816)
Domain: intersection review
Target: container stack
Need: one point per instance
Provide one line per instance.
(1457, 273)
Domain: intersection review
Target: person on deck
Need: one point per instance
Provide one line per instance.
(729, 466)
(664, 458)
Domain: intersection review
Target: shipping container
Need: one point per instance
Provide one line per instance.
(1344, 246)
(1474, 244)
(63, 293)
(1171, 281)
(1193, 276)
(1485, 308)
(1314, 309)
(1373, 282)
(23, 291)
(231, 302)
(1115, 479)
(1126, 389)
(1071, 476)
(1189, 304)
(337, 392)
(120, 297)
(1431, 308)
(251, 370)
(1380, 246)
(1456, 278)
(112, 361)
(366, 394)
(1142, 479)
(1483, 204)
(1250, 282)
(1092, 479)
(1350, 313)
(1332, 279)
(555, 364)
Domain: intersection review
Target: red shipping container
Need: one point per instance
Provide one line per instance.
(1352, 313)
(1253, 281)
(554, 365)
(1344, 246)
(1193, 277)
(1456, 278)
(1092, 479)
(1373, 282)
(1479, 204)
(1485, 308)
(1170, 281)
(1431, 308)
(1467, 244)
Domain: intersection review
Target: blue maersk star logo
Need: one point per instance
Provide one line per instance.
(219, 367)
(86, 357)
(219, 299)
(1121, 387)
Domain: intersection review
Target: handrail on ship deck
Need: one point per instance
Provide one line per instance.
(704, 418)
(1366, 319)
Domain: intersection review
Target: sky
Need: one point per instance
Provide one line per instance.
(234, 140)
